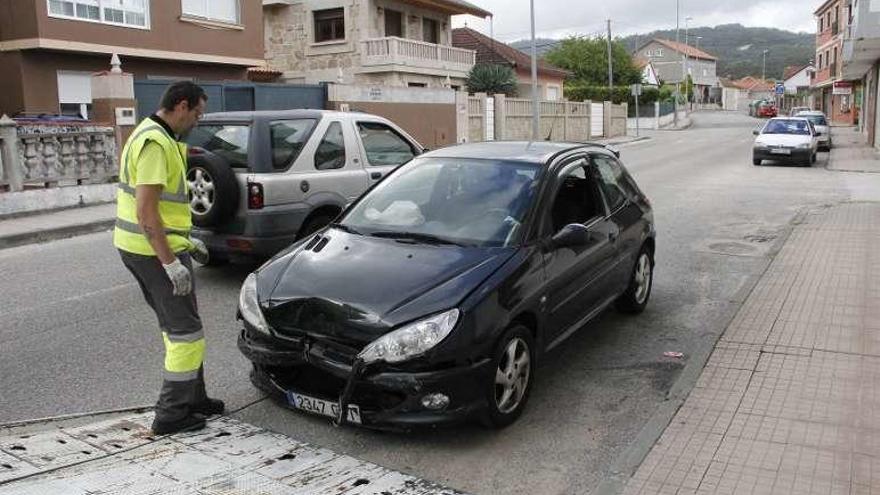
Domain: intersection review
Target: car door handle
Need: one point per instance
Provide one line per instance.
(613, 235)
(375, 175)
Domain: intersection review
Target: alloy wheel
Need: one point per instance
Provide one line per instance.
(512, 376)
(201, 190)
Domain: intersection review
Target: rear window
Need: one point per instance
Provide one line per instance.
(815, 119)
(227, 141)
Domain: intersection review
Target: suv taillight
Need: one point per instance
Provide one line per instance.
(255, 196)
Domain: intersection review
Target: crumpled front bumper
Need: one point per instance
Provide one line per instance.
(387, 398)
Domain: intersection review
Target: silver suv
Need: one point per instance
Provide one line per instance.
(261, 180)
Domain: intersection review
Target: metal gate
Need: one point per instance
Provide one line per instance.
(597, 120)
(238, 96)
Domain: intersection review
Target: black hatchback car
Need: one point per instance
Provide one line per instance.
(433, 296)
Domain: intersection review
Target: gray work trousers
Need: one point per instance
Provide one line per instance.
(179, 321)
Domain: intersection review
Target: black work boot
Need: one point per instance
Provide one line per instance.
(188, 423)
(209, 407)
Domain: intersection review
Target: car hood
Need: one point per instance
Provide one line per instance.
(355, 288)
(781, 139)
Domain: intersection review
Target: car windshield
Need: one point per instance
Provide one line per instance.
(798, 126)
(816, 119)
(471, 202)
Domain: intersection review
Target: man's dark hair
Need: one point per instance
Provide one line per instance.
(182, 91)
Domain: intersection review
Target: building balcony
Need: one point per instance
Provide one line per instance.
(392, 54)
(861, 45)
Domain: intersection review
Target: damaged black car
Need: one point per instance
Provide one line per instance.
(432, 298)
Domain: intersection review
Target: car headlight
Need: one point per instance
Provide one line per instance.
(805, 145)
(412, 340)
(249, 305)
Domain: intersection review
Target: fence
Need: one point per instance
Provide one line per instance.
(502, 118)
(47, 155)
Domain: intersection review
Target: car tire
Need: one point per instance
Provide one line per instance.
(641, 281)
(756, 161)
(213, 190)
(313, 224)
(513, 359)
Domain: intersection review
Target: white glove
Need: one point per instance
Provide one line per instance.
(181, 278)
(199, 251)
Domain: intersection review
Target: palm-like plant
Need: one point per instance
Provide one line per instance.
(492, 79)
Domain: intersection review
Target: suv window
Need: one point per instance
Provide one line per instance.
(331, 152)
(612, 181)
(577, 200)
(384, 146)
(288, 138)
(229, 142)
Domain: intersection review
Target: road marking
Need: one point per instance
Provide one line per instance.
(79, 297)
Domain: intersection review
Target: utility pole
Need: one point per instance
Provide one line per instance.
(536, 109)
(610, 64)
(764, 66)
(685, 61)
(677, 40)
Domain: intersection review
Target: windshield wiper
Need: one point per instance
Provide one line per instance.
(346, 228)
(416, 236)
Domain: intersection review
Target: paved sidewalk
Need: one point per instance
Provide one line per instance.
(851, 153)
(789, 402)
(43, 227)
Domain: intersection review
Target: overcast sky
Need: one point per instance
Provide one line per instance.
(560, 18)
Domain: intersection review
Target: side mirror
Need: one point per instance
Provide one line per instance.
(818, 133)
(573, 234)
(756, 132)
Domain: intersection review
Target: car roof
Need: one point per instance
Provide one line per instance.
(540, 152)
(250, 116)
(810, 112)
(796, 117)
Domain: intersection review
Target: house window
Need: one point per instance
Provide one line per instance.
(329, 25)
(133, 13)
(552, 93)
(215, 10)
(430, 31)
(74, 93)
(658, 52)
(821, 24)
(649, 53)
(393, 23)
(417, 85)
(705, 73)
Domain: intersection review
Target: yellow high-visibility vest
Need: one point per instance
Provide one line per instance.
(173, 203)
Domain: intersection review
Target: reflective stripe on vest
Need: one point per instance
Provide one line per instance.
(178, 197)
(134, 228)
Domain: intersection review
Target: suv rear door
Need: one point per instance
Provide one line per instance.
(383, 146)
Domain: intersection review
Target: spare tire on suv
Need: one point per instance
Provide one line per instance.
(213, 189)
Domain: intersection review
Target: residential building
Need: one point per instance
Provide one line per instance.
(796, 79)
(50, 48)
(672, 60)
(649, 73)
(834, 94)
(490, 51)
(378, 42)
(861, 61)
(737, 94)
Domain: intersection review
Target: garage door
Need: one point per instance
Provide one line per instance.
(597, 120)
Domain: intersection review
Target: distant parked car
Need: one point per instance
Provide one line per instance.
(258, 181)
(790, 139)
(820, 122)
(767, 110)
(796, 110)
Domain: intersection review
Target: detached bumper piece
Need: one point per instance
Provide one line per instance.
(387, 398)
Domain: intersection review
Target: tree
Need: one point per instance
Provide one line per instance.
(587, 59)
(492, 79)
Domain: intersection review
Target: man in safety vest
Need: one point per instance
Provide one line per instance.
(152, 234)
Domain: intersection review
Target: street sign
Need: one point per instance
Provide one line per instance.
(780, 88)
(636, 89)
(842, 88)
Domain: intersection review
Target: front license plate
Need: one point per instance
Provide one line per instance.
(780, 151)
(322, 407)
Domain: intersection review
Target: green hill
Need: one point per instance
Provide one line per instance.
(737, 47)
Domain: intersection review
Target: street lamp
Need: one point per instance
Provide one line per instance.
(535, 107)
(684, 67)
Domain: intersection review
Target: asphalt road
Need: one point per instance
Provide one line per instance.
(76, 336)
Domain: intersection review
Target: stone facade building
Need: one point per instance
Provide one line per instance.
(381, 42)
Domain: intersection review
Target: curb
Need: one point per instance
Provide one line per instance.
(37, 236)
(630, 459)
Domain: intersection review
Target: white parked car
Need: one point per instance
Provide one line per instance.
(796, 110)
(820, 122)
(788, 139)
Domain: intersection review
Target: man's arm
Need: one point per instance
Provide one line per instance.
(147, 198)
